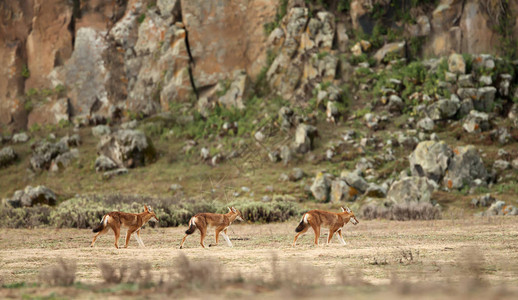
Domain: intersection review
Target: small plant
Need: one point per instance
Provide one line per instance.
(141, 18)
(62, 273)
(26, 73)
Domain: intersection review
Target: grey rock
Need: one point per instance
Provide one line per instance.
(354, 180)
(304, 137)
(483, 201)
(274, 156)
(442, 109)
(465, 167)
(44, 152)
(466, 106)
(72, 141)
(286, 154)
(485, 80)
(466, 81)
(501, 165)
(259, 136)
(101, 130)
(464, 93)
(103, 163)
(430, 159)
(341, 191)
(19, 138)
(130, 125)
(505, 84)
(321, 187)
(7, 156)
(426, 124)
(31, 196)
(485, 99)
(496, 209)
(116, 172)
(476, 122)
(395, 104)
(169, 8)
(64, 160)
(175, 187)
(376, 191)
(284, 177)
(127, 148)
(514, 163)
(456, 64)
(411, 189)
(297, 174)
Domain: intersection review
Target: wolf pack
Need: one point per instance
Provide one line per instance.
(316, 219)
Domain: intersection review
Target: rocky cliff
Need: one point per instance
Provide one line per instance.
(92, 60)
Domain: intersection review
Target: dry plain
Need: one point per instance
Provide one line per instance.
(443, 253)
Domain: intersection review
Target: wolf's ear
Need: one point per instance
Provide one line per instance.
(145, 208)
(342, 208)
(347, 209)
(233, 209)
(229, 208)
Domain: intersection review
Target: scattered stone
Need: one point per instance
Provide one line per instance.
(304, 137)
(476, 122)
(116, 172)
(505, 84)
(175, 187)
(44, 152)
(72, 141)
(259, 136)
(245, 189)
(499, 208)
(412, 189)
(321, 187)
(266, 199)
(514, 163)
(466, 106)
(216, 159)
(286, 115)
(7, 156)
(483, 201)
(395, 104)
(297, 174)
(501, 165)
(430, 159)
(396, 48)
(465, 167)
(330, 154)
(204, 153)
(101, 130)
(357, 49)
(284, 177)
(465, 93)
(130, 125)
(332, 111)
(274, 156)
(103, 163)
(31, 196)
(426, 124)
(19, 138)
(63, 160)
(442, 109)
(372, 121)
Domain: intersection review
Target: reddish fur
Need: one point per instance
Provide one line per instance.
(117, 219)
(204, 220)
(318, 218)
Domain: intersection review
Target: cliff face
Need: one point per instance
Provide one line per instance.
(92, 59)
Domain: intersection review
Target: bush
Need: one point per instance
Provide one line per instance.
(86, 212)
(402, 211)
(62, 273)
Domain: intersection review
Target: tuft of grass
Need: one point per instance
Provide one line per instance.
(63, 273)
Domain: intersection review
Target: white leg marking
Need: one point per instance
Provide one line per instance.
(226, 239)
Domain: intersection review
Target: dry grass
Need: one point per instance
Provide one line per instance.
(379, 256)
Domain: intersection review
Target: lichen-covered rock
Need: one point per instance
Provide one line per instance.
(7, 156)
(31, 196)
(321, 187)
(412, 189)
(465, 167)
(396, 49)
(341, 191)
(63, 160)
(100, 130)
(456, 64)
(354, 180)
(430, 159)
(476, 122)
(103, 163)
(127, 148)
(442, 109)
(19, 138)
(304, 137)
(44, 152)
(466, 81)
(485, 99)
(426, 124)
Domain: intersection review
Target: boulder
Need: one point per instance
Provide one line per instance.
(465, 167)
(19, 138)
(100, 130)
(411, 189)
(499, 208)
(296, 174)
(396, 50)
(286, 155)
(63, 160)
(103, 163)
(7, 156)
(426, 124)
(465, 93)
(476, 122)
(127, 148)
(485, 99)
(442, 109)
(466, 81)
(456, 64)
(501, 165)
(466, 106)
(45, 152)
(304, 138)
(395, 104)
(430, 159)
(321, 187)
(485, 80)
(341, 191)
(31, 196)
(354, 180)
(376, 191)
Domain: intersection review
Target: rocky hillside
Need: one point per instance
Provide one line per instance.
(380, 103)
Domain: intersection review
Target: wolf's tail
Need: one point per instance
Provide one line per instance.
(303, 223)
(102, 224)
(192, 226)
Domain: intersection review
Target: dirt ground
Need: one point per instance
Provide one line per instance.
(437, 251)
